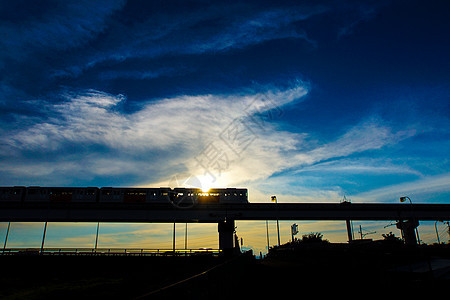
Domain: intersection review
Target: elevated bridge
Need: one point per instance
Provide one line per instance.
(407, 215)
(212, 213)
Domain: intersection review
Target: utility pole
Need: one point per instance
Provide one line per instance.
(363, 235)
(274, 198)
(185, 237)
(174, 236)
(267, 233)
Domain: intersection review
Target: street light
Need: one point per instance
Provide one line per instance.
(403, 199)
(274, 199)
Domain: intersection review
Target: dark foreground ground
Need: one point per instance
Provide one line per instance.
(306, 272)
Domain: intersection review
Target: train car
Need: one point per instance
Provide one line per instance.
(219, 195)
(12, 194)
(134, 195)
(186, 196)
(157, 195)
(211, 196)
(88, 194)
(61, 194)
(37, 194)
(233, 195)
(110, 194)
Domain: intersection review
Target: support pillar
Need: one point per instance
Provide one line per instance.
(226, 230)
(408, 229)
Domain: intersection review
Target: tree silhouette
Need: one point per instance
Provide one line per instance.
(313, 237)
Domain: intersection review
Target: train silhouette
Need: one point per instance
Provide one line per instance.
(122, 195)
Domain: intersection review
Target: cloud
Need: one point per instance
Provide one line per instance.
(87, 135)
(368, 135)
(360, 166)
(421, 189)
(215, 28)
(220, 140)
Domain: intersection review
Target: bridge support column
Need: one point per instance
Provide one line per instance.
(226, 230)
(408, 229)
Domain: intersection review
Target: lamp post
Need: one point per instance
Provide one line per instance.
(274, 199)
(403, 199)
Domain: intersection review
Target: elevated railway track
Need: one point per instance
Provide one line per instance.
(212, 213)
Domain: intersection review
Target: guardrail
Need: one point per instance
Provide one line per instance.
(109, 252)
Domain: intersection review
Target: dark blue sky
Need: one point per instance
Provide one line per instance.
(332, 98)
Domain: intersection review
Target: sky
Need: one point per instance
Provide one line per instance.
(307, 100)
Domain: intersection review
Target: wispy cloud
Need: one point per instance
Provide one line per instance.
(222, 140)
(88, 135)
(368, 135)
(421, 190)
(216, 28)
(361, 166)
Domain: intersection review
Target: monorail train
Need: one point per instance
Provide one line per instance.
(122, 195)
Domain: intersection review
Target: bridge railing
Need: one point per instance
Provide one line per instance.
(109, 251)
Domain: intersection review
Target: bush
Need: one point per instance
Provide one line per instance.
(313, 237)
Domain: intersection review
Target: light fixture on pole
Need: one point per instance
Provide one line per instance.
(274, 199)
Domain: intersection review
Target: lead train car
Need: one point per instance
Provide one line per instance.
(122, 195)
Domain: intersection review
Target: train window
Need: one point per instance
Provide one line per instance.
(32, 192)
